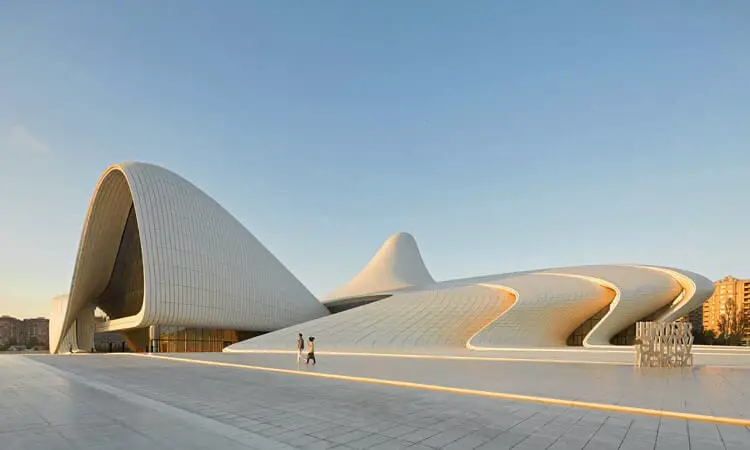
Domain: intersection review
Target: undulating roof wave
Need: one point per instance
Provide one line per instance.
(590, 306)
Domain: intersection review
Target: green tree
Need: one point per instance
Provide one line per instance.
(738, 331)
(731, 324)
(722, 327)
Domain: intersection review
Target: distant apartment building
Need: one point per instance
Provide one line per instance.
(728, 289)
(35, 332)
(695, 317)
(10, 330)
(29, 332)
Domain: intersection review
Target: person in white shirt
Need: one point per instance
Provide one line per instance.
(300, 347)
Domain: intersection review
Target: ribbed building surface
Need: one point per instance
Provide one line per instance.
(156, 250)
(428, 319)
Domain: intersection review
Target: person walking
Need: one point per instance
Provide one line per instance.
(300, 347)
(311, 351)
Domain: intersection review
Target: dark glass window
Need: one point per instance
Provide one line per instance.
(123, 295)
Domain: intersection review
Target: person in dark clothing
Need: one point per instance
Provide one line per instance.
(311, 351)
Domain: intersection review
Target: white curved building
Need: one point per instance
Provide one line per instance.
(173, 271)
(394, 305)
(165, 262)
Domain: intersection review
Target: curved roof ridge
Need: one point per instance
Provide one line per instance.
(397, 265)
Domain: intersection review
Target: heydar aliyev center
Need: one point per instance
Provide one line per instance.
(171, 270)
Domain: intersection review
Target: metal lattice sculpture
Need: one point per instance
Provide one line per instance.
(663, 344)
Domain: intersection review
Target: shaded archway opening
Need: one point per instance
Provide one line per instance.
(579, 334)
(123, 296)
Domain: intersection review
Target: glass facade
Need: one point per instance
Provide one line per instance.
(169, 339)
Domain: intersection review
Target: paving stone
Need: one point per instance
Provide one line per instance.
(398, 431)
(369, 441)
(444, 438)
(393, 444)
(330, 432)
(351, 436)
(568, 442)
(420, 447)
(419, 435)
(509, 439)
(317, 445)
(534, 442)
(469, 441)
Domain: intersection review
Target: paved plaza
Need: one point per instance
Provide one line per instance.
(131, 401)
(710, 390)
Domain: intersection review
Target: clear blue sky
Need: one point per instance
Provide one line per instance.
(503, 135)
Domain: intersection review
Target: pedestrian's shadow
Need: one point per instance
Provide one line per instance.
(301, 366)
